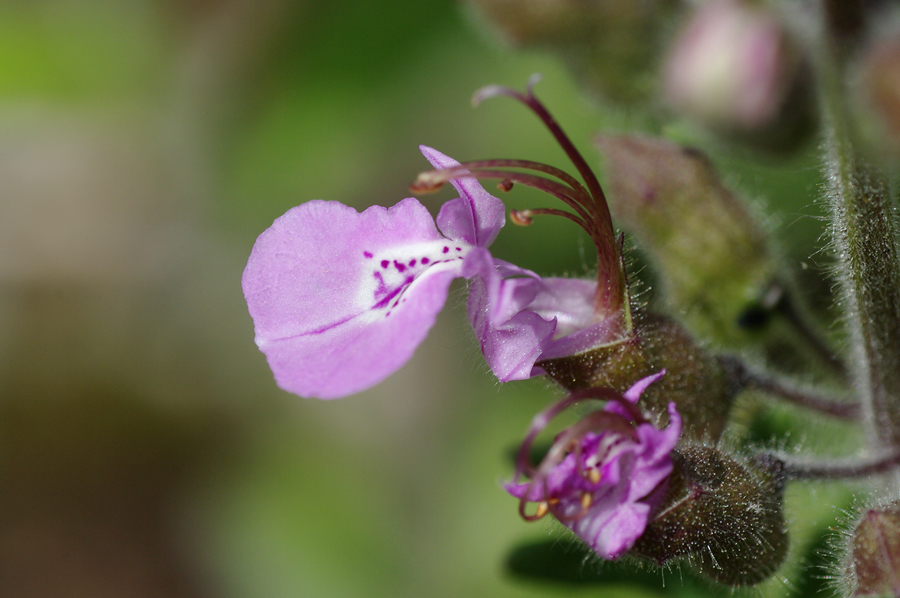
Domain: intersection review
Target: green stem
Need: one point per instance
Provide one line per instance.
(835, 469)
(864, 236)
(746, 378)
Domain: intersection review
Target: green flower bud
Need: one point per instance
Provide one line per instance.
(537, 22)
(699, 384)
(693, 228)
(874, 567)
(712, 254)
(611, 46)
(723, 516)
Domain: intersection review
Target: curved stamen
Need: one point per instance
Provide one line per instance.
(531, 165)
(541, 111)
(524, 217)
(433, 179)
(542, 419)
(597, 421)
(542, 509)
(568, 441)
(610, 288)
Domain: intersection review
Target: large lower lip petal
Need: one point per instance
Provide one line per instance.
(341, 299)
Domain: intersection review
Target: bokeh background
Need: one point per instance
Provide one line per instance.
(144, 448)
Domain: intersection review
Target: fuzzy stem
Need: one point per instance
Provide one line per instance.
(834, 469)
(818, 401)
(864, 236)
(786, 306)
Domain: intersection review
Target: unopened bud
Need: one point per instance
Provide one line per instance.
(535, 22)
(874, 566)
(723, 515)
(611, 46)
(878, 95)
(733, 68)
(710, 251)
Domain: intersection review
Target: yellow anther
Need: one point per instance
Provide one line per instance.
(428, 182)
(542, 510)
(586, 500)
(505, 185)
(520, 217)
(594, 475)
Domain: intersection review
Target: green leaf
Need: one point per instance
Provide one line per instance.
(569, 562)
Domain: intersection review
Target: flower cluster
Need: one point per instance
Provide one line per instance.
(341, 299)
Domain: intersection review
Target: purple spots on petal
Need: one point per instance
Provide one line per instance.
(425, 260)
(368, 254)
(382, 288)
(385, 263)
(412, 264)
(327, 327)
(459, 248)
(387, 298)
(446, 249)
(400, 267)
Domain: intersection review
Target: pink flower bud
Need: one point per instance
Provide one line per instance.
(731, 67)
(878, 93)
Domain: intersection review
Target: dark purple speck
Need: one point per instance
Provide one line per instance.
(459, 248)
(446, 249)
(400, 267)
(412, 264)
(385, 263)
(367, 253)
(425, 260)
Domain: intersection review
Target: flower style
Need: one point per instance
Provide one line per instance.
(603, 476)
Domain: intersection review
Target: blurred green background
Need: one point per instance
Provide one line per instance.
(144, 448)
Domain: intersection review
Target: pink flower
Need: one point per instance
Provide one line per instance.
(341, 299)
(603, 476)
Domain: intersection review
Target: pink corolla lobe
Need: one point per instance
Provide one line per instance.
(341, 299)
(603, 476)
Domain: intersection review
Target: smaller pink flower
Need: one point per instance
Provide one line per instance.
(601, 477)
